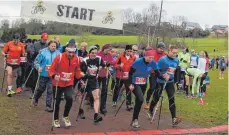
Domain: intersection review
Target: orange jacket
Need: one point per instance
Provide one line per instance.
(66, 68)
(14, 52)
(123, 73)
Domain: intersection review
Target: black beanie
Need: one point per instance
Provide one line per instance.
(128, 47)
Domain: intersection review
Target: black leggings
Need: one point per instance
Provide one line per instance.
(139, 91)
(152, 83)
(118, 88)
(68, 93)
(170, 92)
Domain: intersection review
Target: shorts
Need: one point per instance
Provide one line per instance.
(13, 66)
(222, 69)
(91, 86)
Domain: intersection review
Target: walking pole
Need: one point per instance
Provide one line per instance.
(160, 112)
(83, 97)
(161, 98)
(54, 107)
(27, 78)
(3, 78)
(122, 103)
(35, 88)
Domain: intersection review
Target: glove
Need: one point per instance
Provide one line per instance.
(108, 64)
(184, 61)
(131, 87)
(181, 59)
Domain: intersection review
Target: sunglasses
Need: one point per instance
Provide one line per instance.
(70, 52)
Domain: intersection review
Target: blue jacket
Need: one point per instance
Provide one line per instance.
(45, 59)
(169, 65)
(222, 64)
(142, 69)
(60, 47)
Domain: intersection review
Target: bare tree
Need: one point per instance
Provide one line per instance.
(5, 24)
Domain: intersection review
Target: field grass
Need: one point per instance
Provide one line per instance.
(199, 44)
(215, 113)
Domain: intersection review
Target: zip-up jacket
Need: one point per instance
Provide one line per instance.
(123, 73)
(44, 60)
(184, 60)
(14, 52)
(106, 58)
(66, 68)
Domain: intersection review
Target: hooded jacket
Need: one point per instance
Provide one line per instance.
(44, 60)
(66, 68)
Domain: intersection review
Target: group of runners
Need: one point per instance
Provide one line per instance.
(65, 71)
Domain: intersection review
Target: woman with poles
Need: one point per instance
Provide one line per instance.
(42, 64)
(138, 76)
(122, 65)
(90, 66)
(13, 50)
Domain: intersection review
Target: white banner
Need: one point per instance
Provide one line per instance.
(56, 11)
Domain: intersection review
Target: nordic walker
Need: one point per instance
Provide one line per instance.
(138, 77)
(123, 65)
(64, 68)
(166, 69)
(13, 50)
(90, 66)
(158, 53)
(42, 64)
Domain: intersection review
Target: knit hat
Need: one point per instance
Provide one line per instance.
(161, 45)
(128, 47)
(72, 42)
(106, 46)
(149, 53)
(92, 48)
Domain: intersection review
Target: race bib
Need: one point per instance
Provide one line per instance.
(125, 74)
(171, 70)
(92, 72)
(65, 76)
(140, 80)
(14, 61)
(23, 59)
(224, 64)
(47, 67)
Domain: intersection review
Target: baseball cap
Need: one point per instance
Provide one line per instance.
(44, 36)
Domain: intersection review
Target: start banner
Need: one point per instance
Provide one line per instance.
(60, 12)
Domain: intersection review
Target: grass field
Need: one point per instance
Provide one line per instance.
(198, 44)
(215, 113)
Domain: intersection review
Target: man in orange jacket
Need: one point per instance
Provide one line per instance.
(64, 68)
(123, 65)
(13, 50)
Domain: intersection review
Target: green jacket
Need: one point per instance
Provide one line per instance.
(184, 60)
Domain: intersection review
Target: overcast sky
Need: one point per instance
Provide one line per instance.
(205, 12)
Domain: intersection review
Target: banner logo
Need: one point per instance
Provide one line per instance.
(108, 18)
(39, 8)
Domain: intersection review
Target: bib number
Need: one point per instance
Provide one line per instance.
(125, 75)
(140, 80)
(23, 59)
(14, 62)
(182, 69)
(65, 76)
(171, 70)
(47, 67)
(92, 72)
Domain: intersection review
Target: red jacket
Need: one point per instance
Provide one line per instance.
(66, 68)
(106, 58)
(122, 73)
(157, 56)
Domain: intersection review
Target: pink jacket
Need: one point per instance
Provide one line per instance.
(105, 58)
